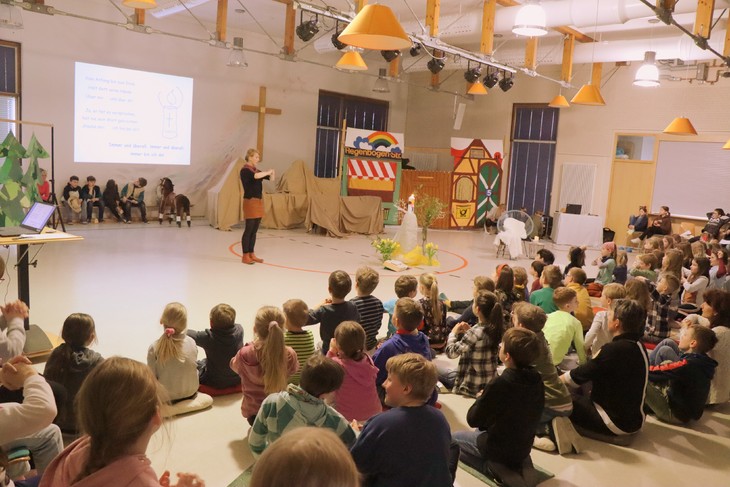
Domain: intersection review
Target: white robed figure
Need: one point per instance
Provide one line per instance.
(511, 234)
(407, 234)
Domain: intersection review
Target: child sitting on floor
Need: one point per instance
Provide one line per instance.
(576, 258)
(680, 375)
(550, 280)
(434, 311)
(357, 398)
(620, 272)
(370, 308)
(558, 403)
(407, 317)
(536, 272)
(296, 337)
(476, 347)
(294, 454)
(386, 452)
(599, 334)
(334, 310)
(520, 289)
(172, 357)
(661, 314)
(606, 263)
(694, 282)
(221, 343)
(405, 287)
(303, 405)
(575, 280)
(618, 375)
(506, 415)
(644, 267)
(119, 407)
(466, 308)
(265, 364)
(562, 329)
(71, 362)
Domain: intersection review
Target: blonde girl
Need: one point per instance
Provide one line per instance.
(119, 407)
(638, 290)
(265, 364)
(173, 356)
(620, 272)
(434, 311)
(315, 457)
(694, 282)
(71, 362)
(357, 397)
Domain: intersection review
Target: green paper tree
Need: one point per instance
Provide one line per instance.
(12, 198)
(32, 177)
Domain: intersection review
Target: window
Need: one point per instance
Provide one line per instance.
(334, 108)
(534, 136)
(9, 86)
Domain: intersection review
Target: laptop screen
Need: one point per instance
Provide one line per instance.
(38, 216)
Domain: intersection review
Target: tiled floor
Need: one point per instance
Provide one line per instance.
(124, 275)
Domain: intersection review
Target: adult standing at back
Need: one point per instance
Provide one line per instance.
(661, 225)
(253, 203)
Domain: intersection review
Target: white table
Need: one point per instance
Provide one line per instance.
(569, 229)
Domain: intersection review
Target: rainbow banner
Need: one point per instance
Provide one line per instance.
(373, 144)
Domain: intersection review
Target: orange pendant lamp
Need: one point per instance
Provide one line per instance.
(375, 27)
(680, 126)
(559, 102)
(477, 88)
(142, 4)
(589, 94)
(351, 60)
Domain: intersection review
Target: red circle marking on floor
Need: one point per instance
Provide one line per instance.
(464, 263)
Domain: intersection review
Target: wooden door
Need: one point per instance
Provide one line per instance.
(632, 183)
(434, 183)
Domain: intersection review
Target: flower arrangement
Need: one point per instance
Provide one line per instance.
(430, 250)
(386, 247)
(428, 209)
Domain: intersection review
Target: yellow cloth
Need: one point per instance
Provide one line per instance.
(584, 313)
(416, 258)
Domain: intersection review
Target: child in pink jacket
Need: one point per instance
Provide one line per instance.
(357, 398)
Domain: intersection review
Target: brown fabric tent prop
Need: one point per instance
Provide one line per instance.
(301, 199)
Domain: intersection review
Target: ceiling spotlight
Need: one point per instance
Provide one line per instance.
(381, 84)
(336, 42)
(435, 65)
(491, 79)
(471, 75)
(416, 49)
(506, 82)
(648, 73)
(530, 20)
(236, 59)
(389, 55)
(307, 30)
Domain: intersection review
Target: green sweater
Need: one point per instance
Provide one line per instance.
(648, 273)
(557, 396)
(544, 299)
(562, 329)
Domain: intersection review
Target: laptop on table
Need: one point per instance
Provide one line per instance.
(33, 223)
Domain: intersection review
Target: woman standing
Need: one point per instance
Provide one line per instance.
(253, 203)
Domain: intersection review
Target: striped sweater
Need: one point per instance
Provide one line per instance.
(371, 317)
(293, 408)
(303, 343)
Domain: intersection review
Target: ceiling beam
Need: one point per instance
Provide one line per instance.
(394, 68)
(433, 9)
(221, 21)
(566, 73)
(531, 54)
(726, 49)
(138, 16)
(703, 18)
(290, 20)
(487, 43)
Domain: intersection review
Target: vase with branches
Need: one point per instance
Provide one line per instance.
(428, 209)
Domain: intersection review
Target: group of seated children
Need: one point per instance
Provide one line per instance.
(346, 383)
(79, 202)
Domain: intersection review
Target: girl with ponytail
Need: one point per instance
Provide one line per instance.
(266, 364)
(476, 347)
(173, 356)
(119, 407)
(434, 311)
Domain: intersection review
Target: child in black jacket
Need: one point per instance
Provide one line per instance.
(506, 415)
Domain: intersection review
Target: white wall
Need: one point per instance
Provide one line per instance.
(585, 134)
(221, 131)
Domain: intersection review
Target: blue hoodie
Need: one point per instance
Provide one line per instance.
(397, 345)
(689, 383)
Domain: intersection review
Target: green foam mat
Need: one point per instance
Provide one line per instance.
(542, 475)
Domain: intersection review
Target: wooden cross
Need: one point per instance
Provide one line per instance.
(262, 110)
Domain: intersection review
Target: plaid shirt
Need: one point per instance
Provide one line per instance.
(657, 320)
(477, 360)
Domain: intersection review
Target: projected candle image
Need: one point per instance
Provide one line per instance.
(128, 116)
(170, 102)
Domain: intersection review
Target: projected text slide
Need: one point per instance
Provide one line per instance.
(128, 116)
